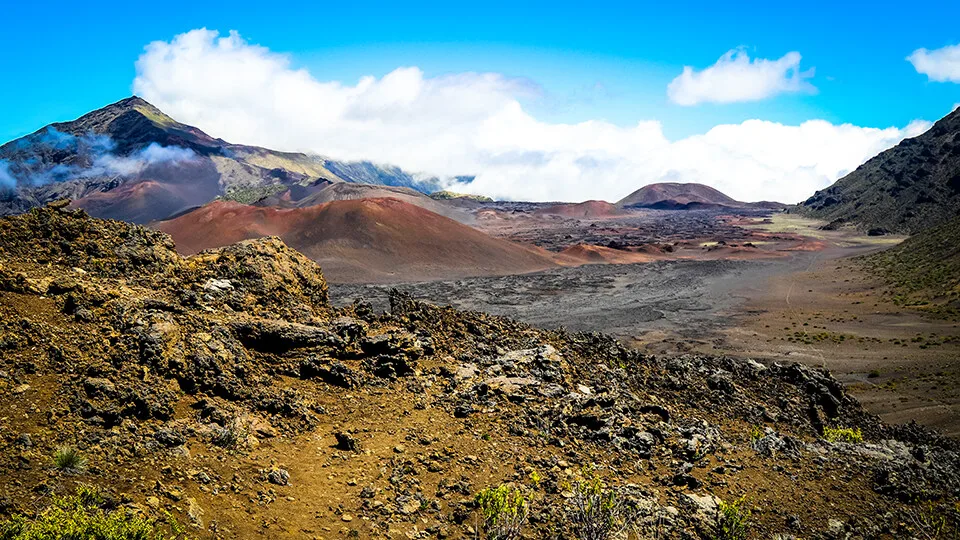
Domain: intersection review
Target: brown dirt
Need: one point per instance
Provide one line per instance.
(587, 254)
(587, 209)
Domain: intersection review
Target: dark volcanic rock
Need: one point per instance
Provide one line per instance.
(908, 188)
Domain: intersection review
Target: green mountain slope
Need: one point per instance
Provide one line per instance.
(924, 270)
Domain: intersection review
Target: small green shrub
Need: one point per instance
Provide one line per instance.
(90, 496)
(732, 520)
(535, 478)
(842, 434)
(599, 513)
(81, 518)
(504, 510)
(68, 459)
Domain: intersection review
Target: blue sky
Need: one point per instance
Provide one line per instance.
(607, 60)
(604, 66)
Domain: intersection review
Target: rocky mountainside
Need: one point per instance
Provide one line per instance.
(130, 161)
(223, 390)
(685, 196)
(908, 188)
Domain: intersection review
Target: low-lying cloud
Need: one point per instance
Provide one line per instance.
(474, 124)
(939, 65)
(87, 156)
(136, 163)
(7, 181)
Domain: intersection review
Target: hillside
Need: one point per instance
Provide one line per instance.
(905, 189)
(361, 240)
(677, 196)
(131, 161)
(224, 391)
(324, 191)
(586, 210)
(924, 270)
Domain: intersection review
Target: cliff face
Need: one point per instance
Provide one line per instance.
(225, 389)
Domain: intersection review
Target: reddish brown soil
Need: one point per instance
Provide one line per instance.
(362, 240)
(587, 209)
(160, 191)
(588, 254)
(673, 194)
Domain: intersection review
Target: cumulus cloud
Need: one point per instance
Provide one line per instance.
(474, 124)
(939, 65)
(736, 78)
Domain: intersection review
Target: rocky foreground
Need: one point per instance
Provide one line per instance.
(223, 392)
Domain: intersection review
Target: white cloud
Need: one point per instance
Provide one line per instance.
(108, 163)
(939, 65)
(474, 124)
(736, 78)
(154, 154)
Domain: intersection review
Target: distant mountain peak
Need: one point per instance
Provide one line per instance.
(144, 107)
(131, 161)
(127, 111)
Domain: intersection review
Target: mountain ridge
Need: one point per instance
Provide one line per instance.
(131, 142)
(905, 189)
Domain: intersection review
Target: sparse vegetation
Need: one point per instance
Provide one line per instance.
(504, 511)
(68, 459)
(932, 521)
(535, 478)
(86, 516)
(842, 434)
(732, 520)
(447, 195)
(923, 271)
(598, 512)
(252, 194)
